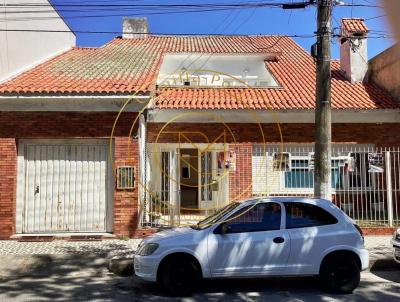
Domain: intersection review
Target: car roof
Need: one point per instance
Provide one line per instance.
(318, 201)
(323, 203)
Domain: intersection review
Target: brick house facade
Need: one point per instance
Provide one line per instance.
(70, 125)
(57, 118)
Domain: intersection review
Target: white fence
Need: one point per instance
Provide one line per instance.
(365, 182)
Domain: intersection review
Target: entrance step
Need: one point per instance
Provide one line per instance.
(62, 236)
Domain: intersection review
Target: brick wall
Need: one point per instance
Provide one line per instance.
(378, 134)
(28, 125)
(8, 173)
(240, 180)
(63, 124)
(126, 201)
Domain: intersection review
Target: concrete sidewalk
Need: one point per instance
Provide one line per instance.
(65, 257)
(109, 248)
(379, 247)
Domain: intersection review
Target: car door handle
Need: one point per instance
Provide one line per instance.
(279, 239)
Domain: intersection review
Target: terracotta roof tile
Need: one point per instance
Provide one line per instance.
(125, 66)
(354, 25)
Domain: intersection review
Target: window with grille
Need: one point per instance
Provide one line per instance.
(301, 174)
(125, 177)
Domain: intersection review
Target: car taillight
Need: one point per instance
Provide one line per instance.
(359, 230)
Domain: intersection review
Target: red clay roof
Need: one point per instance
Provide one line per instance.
(354, 25)
(127, 66)
(123, 65)
(297, 92)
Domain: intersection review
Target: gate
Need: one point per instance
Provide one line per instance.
(365, 181)
(63, 186)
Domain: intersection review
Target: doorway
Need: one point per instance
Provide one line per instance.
(189, 179)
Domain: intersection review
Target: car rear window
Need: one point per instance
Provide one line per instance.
(301, 215)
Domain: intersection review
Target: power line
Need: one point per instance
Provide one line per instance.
(244, 4)
(118, 15)
(376, 17)
(152, 7)
(197, 5)
(339, 4)
(379, 34)
(110, 15)
(155, 34)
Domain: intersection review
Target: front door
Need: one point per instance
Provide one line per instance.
(254, 244)
(189, 179)
(213, 180)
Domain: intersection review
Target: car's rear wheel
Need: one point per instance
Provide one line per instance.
(179, 276)
(340, 275)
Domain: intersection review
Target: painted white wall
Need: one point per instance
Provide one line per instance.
(20, 51)
(354, 59)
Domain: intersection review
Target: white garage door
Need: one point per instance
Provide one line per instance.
(63, 186)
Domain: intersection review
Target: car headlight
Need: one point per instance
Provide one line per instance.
(147, 249)
(396, 235)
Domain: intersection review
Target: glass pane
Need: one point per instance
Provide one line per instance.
(206, 176)
(299, 179)
(165, 166)
(299, 215)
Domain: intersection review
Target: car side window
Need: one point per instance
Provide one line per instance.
(301, 215)
(261, 217)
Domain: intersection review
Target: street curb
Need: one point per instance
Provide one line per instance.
(121, 266)
(384, 264)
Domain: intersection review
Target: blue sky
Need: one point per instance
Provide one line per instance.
(244, 21)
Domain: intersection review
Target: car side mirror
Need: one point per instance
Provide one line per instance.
(225, 228)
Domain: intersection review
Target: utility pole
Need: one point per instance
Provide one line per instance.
(323, 135)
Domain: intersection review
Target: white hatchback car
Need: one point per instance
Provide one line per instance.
(257, 238)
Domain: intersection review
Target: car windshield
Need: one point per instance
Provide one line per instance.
(215, 217)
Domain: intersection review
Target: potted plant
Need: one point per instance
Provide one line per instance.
(157, 207)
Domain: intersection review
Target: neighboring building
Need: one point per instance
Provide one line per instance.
(21, 50)
(193, 138)
(384, 69)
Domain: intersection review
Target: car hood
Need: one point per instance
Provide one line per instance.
(171, 233)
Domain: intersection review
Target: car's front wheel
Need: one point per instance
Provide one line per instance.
(179, 276)
(340, 275)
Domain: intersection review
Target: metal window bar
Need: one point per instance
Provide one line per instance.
(359, 184)
(125, 177)
(359, 180)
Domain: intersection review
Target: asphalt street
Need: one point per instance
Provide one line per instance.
(88, 284)
(71, 271)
